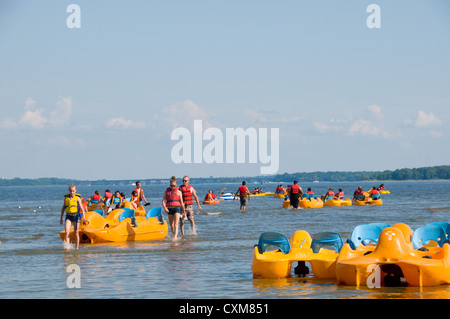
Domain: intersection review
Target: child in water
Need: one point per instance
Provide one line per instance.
(72, 206)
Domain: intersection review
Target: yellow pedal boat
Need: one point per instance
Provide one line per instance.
(310, 203)
(281, 194)
(338, 202)
(300, 248)
(121, 225)
(396, 257)
(305, 203)
(368, 201)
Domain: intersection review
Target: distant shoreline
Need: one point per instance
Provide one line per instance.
(432, 173)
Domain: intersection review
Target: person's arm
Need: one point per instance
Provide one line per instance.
(194, 193)
(62, 212)
(164, 204)
(181, 202)
(143, 197)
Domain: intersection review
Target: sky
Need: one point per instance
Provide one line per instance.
(99, 93)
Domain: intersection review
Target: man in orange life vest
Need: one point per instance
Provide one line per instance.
(189, 194)
(295, 193)
(243, 195)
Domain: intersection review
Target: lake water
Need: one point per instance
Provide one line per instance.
(214, 264)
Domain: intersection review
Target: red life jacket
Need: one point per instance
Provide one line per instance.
(330, 194)
(310, 192)
(340, 194)
(187, 194)
(140, 192)
(295, 189)
(243, 191)
(172, 197)
(374, 191)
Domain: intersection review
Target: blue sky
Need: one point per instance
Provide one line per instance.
(101, 101)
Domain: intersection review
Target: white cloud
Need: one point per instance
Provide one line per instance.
(123, 123)
(436, 134)
(183, 114)
(365, 127)
(325, 128)
(427, 120)
(376, 110)
(271, 117)
(29, 103)
(61, 114)
(34, 118)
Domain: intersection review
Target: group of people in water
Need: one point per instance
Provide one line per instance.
(178, 202)
(294, 193)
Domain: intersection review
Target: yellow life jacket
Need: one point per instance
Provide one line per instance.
(71, 204)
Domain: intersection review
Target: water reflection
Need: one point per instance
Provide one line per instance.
(310, 287)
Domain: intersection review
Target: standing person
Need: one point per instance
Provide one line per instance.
(295, 192)
(173, 205)
(140, 194)
(72, 206)
(189, 194)
(244, 195)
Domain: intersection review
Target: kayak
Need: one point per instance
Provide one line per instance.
(262, 194)
(211, 202)
(384, 192)
(123, 224)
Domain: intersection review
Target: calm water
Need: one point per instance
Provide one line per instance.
(214, 264)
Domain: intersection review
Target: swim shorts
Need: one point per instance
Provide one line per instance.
(189, 209)
(74, 218)
(174, 210)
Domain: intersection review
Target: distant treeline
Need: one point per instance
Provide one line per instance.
(423, 173)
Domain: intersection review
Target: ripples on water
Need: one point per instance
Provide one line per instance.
(214, 264)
